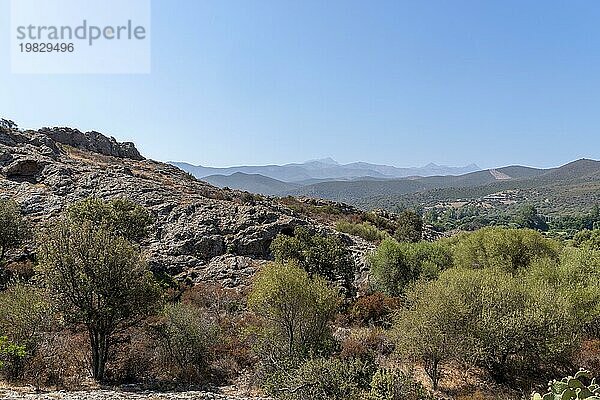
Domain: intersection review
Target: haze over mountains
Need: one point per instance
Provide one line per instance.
(571, 187)
(281, 179)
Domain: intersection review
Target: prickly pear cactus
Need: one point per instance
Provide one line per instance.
(572, 388)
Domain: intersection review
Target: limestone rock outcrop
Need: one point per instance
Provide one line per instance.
(201, 233)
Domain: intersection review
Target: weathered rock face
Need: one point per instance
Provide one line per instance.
(93, 141)
(202, 233)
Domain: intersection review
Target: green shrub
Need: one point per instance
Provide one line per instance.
(294, 312)
(317, 254)
(409, 227)
(364, 230)
(576, 276)
(392, 384)
(25, 316)
(508, 249)
(506, 324)
(121, 216)
(323, 379)
(186, 336)
(588, 239)
(394, 265)
(9, 351)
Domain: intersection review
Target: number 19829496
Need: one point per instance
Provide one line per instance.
(47, 47)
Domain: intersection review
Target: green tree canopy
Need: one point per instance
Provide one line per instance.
(122, 216)
(317, 254)
(295, 311)
(99, 279)
(410, 227)
(528, 217)
(507, 249)
(13, 227)
(507, 324)
(394, 265)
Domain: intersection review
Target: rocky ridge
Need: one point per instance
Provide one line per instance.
(202, 233)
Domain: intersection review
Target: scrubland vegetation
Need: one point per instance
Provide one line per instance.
(494, 313)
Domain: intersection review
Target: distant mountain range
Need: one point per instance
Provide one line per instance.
(281, 179)
(571, 187)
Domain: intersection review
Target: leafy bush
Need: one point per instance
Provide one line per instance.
(394, 265)
(508, 249)
(294, 311)
(186, 337)
(9, 350)
(588, 239)
(25, 316)
(409, 228)
(317, 254)
(576, 277)
(121, 216)
(580, 386)
(508, 325)
(364, 230)
(392, 384)
(99, 280)
(322, 378)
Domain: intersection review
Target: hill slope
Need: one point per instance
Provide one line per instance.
(202, 232)
(572, 187)
(253, 183)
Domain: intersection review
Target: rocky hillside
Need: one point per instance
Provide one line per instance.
(201, 232)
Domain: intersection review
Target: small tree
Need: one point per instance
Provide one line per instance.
(508, 325)
(317, 254)
(185, 335)
(100, 280)
(13, 228)
(25, 315)
(430, 330)
(121, 216)
(528, 217)
(507, 249)
(410, 227)
(394, 265)
(294, 310)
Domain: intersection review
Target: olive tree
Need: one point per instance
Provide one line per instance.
(100, 280)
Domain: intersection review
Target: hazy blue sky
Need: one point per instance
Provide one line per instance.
(397, 82)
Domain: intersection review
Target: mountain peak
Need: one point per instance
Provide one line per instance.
(326, 160)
